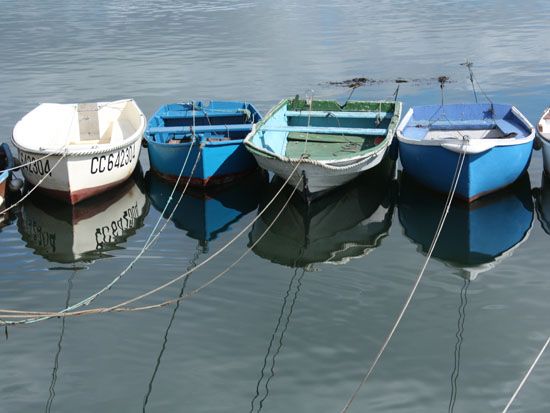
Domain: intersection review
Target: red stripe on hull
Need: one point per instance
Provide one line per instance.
(205, 182)
(74, 197)
(3, 189)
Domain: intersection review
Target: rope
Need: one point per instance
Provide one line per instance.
(150, 240)
(146, 246)
(34, 161)
(29, 192)
(119, 307)
(446, 209)
(527, 375)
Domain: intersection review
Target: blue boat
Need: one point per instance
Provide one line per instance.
(497, 141)
(474, 238)
(6, 162)
(215, 130)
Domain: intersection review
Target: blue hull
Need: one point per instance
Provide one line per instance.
(481, 174)
(219, 162)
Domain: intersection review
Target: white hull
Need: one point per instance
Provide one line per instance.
(319, 177)
(77, 177)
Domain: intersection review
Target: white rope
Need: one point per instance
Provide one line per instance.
(29, 192)
(66, 313)
(231, 241)
(57, 151)
(147, 244)
(527, 375)
(446, 209)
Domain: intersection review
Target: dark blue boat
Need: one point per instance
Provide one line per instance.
(475, 236)
(215, 130)
(497, 142)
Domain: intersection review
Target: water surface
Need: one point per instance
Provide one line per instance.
(295, 325)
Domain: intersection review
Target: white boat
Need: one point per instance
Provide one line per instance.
(325, 143)
(75, 151)
(543, 138)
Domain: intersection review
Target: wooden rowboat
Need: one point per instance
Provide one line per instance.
(75, 151)
(332, 143)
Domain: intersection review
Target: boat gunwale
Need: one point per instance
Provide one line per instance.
(83, 149)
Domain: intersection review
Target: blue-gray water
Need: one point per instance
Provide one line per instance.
(268, 336)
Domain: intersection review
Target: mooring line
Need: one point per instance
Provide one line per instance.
(446, 209)
(120, 307)
(91, 298)
(29, 192)
(146, 246)
(20, 166)
(526, 376)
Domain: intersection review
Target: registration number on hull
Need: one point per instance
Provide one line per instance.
(34, 166)
(118, 159)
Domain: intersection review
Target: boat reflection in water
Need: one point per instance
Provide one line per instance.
(205, 213)
(475, 236)
(542, 201)
(346, 223)
(86, 231)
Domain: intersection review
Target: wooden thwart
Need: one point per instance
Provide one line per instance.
(329, 130)
(336, 114)
(201, 129)
(88, 121)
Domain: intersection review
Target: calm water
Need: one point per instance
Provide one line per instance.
(295, 325)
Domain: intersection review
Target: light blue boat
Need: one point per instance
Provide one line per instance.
(497, 141)
(476, 236)
(215, 130)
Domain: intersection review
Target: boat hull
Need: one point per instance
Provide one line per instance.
(482, 173)
(219, 162)
(315, 178)
(80, 176)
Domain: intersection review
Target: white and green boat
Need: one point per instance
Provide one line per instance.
(332, 143)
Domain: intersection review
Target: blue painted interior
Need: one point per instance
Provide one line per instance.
(464, 117)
